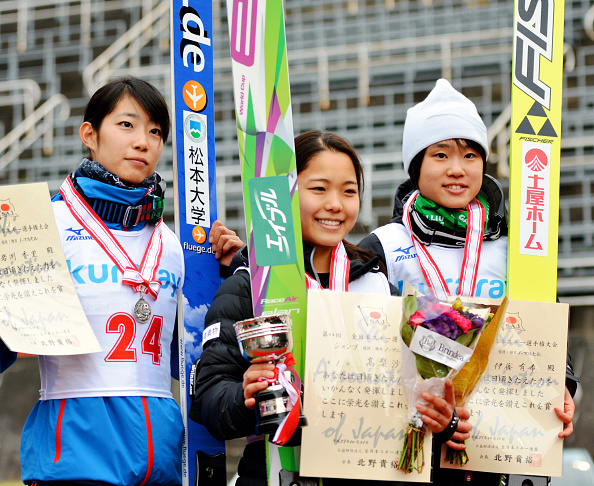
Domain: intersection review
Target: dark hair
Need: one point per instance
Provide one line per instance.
(105, 99)
(311, 143)
(414, 169)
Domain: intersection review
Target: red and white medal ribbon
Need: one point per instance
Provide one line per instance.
(340, 267)
(472, 252)
(287, 427)
(142, 279)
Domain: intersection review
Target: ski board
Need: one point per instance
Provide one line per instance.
(535, 150)
(269, 178)
(195, 210)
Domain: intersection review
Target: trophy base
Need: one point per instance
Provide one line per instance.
(271, 409)
(268, 427)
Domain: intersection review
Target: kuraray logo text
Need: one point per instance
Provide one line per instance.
(493, 288)
(98, 273)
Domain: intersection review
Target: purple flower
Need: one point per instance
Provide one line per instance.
(476, 322)
(440, 318)
(444, 325)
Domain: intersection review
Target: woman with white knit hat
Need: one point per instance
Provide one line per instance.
(445, 150)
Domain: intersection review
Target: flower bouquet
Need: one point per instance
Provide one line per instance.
(468, 377)
(439, 338)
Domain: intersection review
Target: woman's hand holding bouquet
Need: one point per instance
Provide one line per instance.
(436, 415)
(439, 338)
(468, 377)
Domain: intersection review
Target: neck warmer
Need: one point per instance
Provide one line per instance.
(94, 170)
(448, 225)
(94, 181)
(426, 224)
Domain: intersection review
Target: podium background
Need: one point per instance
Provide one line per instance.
(361, 90)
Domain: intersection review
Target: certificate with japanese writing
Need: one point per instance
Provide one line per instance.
(39, 309)
(354, 400)
(514, 425)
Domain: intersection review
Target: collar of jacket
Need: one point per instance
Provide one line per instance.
(491, 189)
(358, 268)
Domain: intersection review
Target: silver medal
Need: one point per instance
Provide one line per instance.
(142, 311)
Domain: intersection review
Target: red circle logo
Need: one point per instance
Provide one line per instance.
(4, 207)
(536, 159)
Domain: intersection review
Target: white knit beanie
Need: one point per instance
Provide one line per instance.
(444, 114)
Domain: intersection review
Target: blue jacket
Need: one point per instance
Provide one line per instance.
(130, 440)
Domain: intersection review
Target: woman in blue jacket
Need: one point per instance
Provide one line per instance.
(109, 418)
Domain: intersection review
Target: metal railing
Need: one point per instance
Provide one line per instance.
(23, 13)
(24, 92)
(589, 22)
(318, 65)
(124, 51)
(39, 124)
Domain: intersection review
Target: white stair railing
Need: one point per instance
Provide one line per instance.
(499, 132)
(24, 92)
(24, 13)
(39, 123)
(124, 50)
(589, 22)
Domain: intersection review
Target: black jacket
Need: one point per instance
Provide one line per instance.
(218, 401)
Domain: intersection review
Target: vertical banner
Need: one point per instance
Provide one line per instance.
(269, 178)
(535, 150)
(267, 155)
(195, 201)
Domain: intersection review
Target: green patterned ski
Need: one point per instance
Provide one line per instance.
(269, 177)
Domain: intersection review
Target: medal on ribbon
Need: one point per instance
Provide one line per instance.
(141, 279)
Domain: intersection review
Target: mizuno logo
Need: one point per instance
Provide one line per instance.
(77, 235)
(405, 253)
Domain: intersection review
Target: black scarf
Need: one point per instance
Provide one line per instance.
(125, 204)
(94, 170)
(428, 232)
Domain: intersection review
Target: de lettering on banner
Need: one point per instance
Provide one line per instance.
(195, 210)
